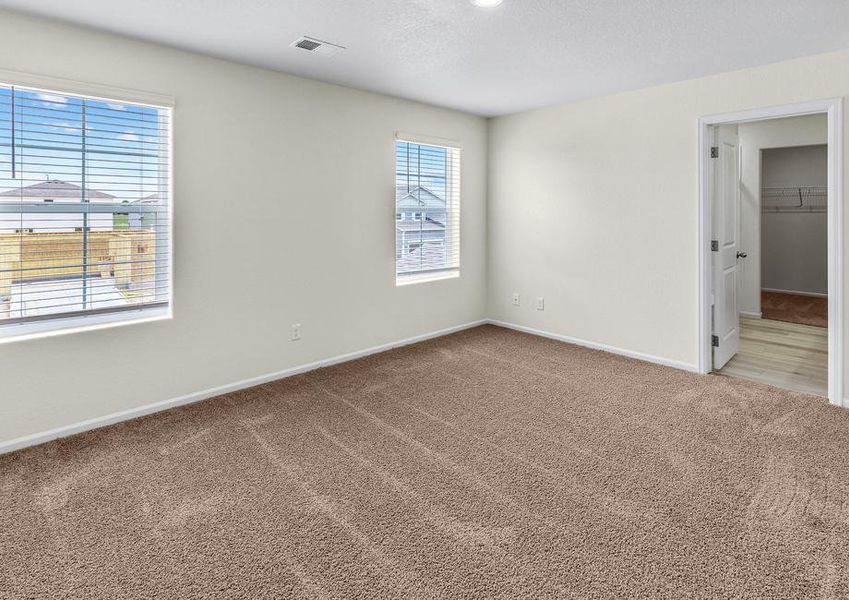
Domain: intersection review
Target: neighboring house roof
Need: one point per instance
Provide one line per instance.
(439, 218)
(418, 198)
(419, 226)
(55, 189)
(426, 256)
(154, 197)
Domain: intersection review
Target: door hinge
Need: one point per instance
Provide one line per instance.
(714, 151)
(714, 341)
(714, 245)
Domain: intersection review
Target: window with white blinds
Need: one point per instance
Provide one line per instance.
(84, 208)
(427, 210)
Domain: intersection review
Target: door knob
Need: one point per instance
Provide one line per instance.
(742, 255)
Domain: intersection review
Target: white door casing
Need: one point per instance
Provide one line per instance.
(725, 192)
(833, 107)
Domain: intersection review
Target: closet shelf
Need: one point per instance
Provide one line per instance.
(803, 198)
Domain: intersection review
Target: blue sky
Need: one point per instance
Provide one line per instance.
(417, 164)
(121, 140)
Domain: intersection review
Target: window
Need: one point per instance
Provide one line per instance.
(427, 190)
(84, 210)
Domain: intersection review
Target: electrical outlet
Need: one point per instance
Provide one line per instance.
(296, 332)
(540, 303)
(516, 299)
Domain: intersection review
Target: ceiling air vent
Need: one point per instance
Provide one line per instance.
(317, 46)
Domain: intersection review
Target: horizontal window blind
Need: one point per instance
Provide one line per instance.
(84, 206)
(427, 209)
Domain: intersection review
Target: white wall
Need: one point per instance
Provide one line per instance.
(794, 245)
(795, 166)
(284, 213)
(754, 138)
(594, 205)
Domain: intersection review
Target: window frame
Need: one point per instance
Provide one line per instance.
(452, 272)
(74, 323)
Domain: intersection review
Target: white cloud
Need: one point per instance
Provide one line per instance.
(65, 126)
(114, 106)
(52, 98)
(128, 137)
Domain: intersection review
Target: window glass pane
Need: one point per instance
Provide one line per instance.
(427, 198)
(84, 205)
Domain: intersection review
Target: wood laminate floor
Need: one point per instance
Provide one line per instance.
(786, 355)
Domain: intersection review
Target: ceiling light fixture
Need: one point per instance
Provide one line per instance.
(486, 3)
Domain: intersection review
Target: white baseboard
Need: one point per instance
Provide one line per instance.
(111, 419)
(795, 293)
(125, 415)
(750, 315)
(659, 360)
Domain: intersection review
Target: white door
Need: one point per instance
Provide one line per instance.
(725, 243)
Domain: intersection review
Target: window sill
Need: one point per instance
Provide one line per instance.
(64, 325)
(413, 278)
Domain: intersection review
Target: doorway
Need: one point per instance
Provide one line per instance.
(771, 247)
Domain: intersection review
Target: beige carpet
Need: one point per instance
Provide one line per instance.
(488, 464)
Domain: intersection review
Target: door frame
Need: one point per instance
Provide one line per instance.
(833, 108)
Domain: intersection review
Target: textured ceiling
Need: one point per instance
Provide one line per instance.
(523, 54)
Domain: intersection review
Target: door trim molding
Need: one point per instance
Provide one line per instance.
(833, 108)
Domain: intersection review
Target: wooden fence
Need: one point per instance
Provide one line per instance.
(126, 254)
